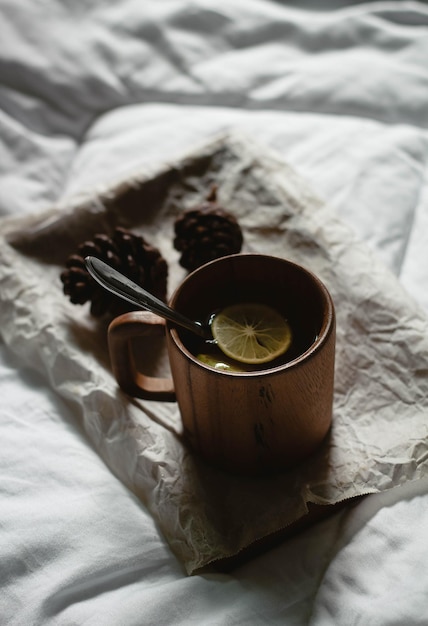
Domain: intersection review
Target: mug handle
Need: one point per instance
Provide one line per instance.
(121, 331)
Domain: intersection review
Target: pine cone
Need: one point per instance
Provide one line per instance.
(128, 253)
(206, 232)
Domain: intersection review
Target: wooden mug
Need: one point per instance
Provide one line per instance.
(253, 421)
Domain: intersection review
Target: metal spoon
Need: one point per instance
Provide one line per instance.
(121, 286)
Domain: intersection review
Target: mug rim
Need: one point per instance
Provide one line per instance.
(327, 327)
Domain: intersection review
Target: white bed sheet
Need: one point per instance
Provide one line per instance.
(91, 91)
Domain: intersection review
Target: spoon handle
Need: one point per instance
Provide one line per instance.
(122, 286)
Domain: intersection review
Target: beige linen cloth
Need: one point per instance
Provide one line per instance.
(379, 435)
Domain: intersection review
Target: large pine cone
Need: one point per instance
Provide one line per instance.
(128, 253)
(206, 232)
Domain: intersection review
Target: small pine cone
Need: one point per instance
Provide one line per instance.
(206, 232)
(130, 254)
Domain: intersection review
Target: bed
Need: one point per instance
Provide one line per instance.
(330, 97)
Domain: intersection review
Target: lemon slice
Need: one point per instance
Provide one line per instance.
(251, 333)
(223, 365)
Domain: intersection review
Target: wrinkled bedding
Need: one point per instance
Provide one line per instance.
(91, 92)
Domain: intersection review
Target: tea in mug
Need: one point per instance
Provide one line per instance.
(249, 337)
